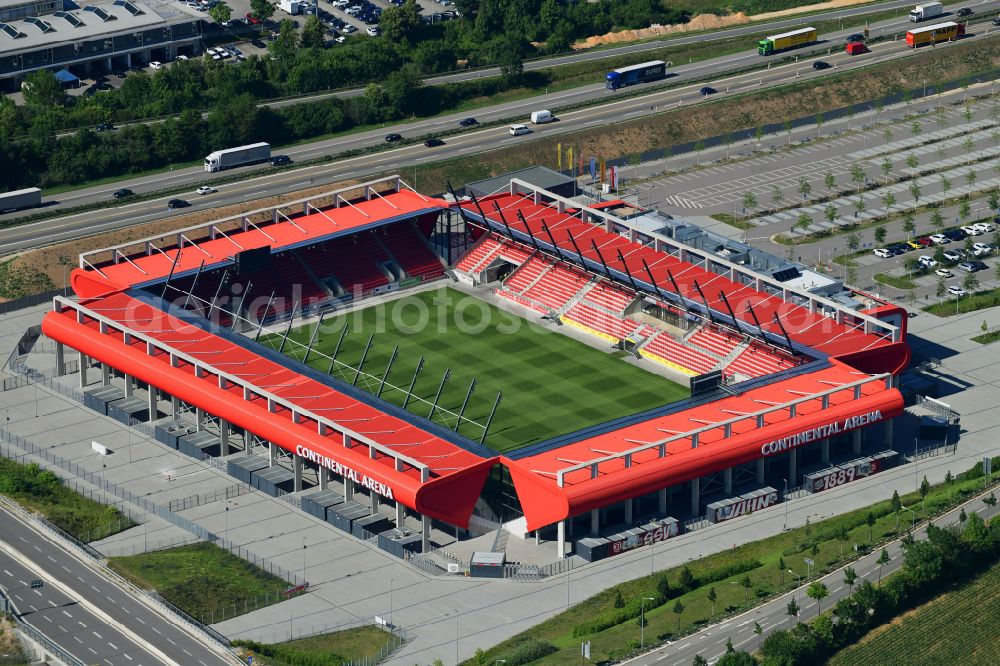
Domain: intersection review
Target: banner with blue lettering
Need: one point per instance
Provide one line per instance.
(593, 168)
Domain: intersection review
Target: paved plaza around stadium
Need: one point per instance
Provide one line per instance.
(351, 580)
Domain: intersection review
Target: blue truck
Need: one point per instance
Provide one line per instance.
(642, 73)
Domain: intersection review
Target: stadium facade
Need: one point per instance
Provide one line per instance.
(785, 382)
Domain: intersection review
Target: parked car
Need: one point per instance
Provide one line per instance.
(939, 239)
(955, 290)
(954, 234)
(433, 142)
(927, 261)
(123, 193)
(984, 227)
(925, 242)
(898, 248)
(468, 122)
(206, 189)
(996, 20)
(373, 30)
(156, 64)
(393, 137)
(953, 255)
(177, 203)
(944, 272)
(821, 64)
(971, 230)
(969, 266)
(708, 90)
(259, 43)
(914, 245)
(104, 127)
(980, 249)
(882, 252)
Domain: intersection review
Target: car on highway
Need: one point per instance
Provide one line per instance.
(206, 189)
(939, 239)
(927, 261)
(882, 252)
(971, 230)
(955, 290)
(979, 249)
(996, 20)
(821, 64)
(280, 160)
(954, 255)
(433, 142)
(707, 90)
(122, 193)
(177, 203)
(104, 127)
(856, 37)
(518, 130)
(156, 64)
(468, 122)
(914, 245)
(944, 272)
(390, 138)
(964, 11)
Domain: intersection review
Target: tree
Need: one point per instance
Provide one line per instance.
(698, 147)
(970, 178)
(312, 34)
(925, 486)
(792, 608)
(804, 188)
(777, 197)
(619, 601)
(663, 587)
(915, 128)
(990, 501)
(42, 90)
(830, 181)
(912, 161)
(970, 282)
(261, 9)
(512, 60)
(945, 184)
(915, 191)
(961, 516)
(967, 113)
(686, 579)
(880, 234)
(859, 205)
(830, 212)
(870, 522)
(853, 241)
(889, 199)
(746, 583)
(749, 202)
(285, 45)
(781, 569)
(729, 646)
(677, 610)
(712, 598)
(937, 219)
(757, 629)
(858, 176)
(886, 167)
(882, 560)
(699, 661)
(895, 503)
(400, 22)
(909, 226)
(818, 591)
(949, 478)
(887, 134)
(787, 125)
(819, 120)
(803, 221)
(964, 211)
(221, 12)
(850, 577)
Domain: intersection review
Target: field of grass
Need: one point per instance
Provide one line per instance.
(956, 628)
(987, 338)
(203, 580)
(829, 543)
(329, 649)
(41, 491)
(551, 384)
(896, 281)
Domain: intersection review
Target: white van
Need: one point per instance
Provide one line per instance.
(518, 130)
(540, 117)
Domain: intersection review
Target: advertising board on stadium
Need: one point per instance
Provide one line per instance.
(343, 470)
(745, 505)
(660, 533)
(820, 432)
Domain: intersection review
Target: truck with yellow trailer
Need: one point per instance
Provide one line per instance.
(787, 40)
(933, 34)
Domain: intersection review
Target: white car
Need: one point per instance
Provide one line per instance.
(205, 189)
(340, 40)
(953, 255)
(944, 272)
(883, 253)
(156, 64)
(927, 261)
(955, 290)
(940, 239)
(972, 230)
(980, 249)
(985, 227)
(373, 31)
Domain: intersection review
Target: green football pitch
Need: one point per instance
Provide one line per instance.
(551, 384)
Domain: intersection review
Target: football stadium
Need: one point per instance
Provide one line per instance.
(421, 370)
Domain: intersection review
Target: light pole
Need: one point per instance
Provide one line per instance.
(913, 521)
(642, 621)
(798, 578)
(916, 484)
(391, 581)
(303, 560)
(786, 505)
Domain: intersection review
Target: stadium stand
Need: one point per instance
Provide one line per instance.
(609, 297)
(411, 251)
(353, 260)
(557, 286)
(756, 361)
(714, 341)
(666, 350)
(526, 275)
(479, 256)
(600, 323)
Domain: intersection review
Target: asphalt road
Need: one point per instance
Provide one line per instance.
(402, 159)
(85, 613)
(710, 642)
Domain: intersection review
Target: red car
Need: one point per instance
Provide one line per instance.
(925, 241)
(253, 19)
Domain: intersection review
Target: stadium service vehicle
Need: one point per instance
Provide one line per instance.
(20, 199)
(926, 11)
(253, 153)
(542, 117)
(934, 34)
(644, 72)
(787, 40)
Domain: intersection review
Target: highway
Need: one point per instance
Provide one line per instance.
(86, 613)
(710, 642)
(405, 158)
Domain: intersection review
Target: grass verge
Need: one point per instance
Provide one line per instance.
(739, 577)
(42, 491)
(979, 300)
(731, 220)
(332, 649)
(206, 582)
(551, 383)
(904, 283)
(987, 338)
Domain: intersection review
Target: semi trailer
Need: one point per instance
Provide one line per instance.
(787, 40)
(254, 153)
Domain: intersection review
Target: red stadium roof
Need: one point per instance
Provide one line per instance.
(123, 273)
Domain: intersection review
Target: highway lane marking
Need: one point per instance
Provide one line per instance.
(52, 559)
(98, 635)
(66, 569)
(77, 639)
(157, 630)
(92, 650)
(67, 614)
(8, 573)
(186, 652)
(140, 620)
(125, 654)
(112, 645)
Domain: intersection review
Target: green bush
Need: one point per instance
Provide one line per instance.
(290, 656)
(528, 651)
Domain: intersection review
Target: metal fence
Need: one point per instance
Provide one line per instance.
(33, 300)
(7, 606)
(192, 501)
(397, 636)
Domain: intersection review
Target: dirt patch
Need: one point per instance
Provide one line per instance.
(703, 22)
(8, 641)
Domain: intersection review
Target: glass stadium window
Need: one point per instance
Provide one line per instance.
(69, 18)
(129, 7)
(100, 13)
(39, 23)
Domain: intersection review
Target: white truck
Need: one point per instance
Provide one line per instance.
(20, 199)
(292, 7)
(255, 153)
(926, 11)
(540, 117)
